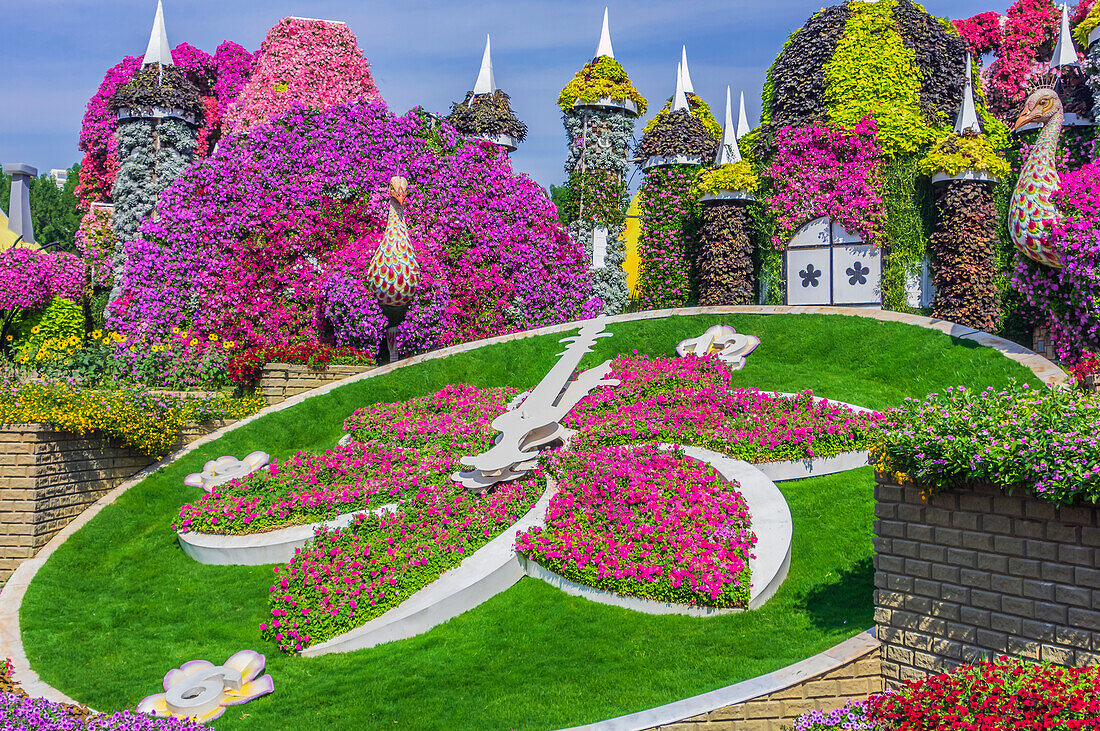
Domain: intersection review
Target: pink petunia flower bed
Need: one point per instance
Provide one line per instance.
(396, 451)
(692, 401)
(646, 522)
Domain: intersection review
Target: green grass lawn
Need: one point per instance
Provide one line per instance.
(120, 604)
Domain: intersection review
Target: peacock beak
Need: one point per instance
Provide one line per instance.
(1026, 117)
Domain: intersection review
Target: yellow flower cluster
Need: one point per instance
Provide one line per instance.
(145, 421)
(60, 351)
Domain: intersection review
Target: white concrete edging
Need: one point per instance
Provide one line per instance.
(488, 571)
(11, 599)
(258, 549)
(762, 685)
(770, 521)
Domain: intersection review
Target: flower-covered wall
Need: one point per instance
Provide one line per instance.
(857, 100)
(259, 243)
(669, 205)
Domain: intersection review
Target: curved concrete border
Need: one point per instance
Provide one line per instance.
(488, 571)
(258, 549)
(11, 599)
(771, 522)
(773, 682)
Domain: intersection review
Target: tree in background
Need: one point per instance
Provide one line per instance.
(54, 210)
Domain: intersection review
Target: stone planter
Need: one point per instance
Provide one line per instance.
(967, 574)
(280, 381)
(48, 477)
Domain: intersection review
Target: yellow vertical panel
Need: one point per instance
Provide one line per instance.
(633, 263)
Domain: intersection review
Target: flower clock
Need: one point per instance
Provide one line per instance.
(201, 690)
(614, 508)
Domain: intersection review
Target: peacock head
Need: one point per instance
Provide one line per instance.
(1040, 107)
(399, 188)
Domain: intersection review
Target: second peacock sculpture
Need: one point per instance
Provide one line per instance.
(1033, 214)
(394, 271)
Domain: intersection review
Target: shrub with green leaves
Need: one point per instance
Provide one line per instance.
(1038, 440)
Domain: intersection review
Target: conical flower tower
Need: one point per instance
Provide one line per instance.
(963, 245)
(672, 152)
(486, 113)
(724, 263)
(600, 106)
(159, 112)
(697, 106)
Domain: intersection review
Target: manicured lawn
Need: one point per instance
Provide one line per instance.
(119, 604)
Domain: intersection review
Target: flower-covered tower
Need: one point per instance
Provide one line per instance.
(672, 150)
(725, 261)
(486, 112)
(600, 105)
(159, 112)
(963, 246)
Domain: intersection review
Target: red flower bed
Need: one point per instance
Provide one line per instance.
(994, 696)
(245, 367)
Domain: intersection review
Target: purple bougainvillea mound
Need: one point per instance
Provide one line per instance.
(248, 241)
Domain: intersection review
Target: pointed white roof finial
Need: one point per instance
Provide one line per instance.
(486, 82)
(158, 50)
(967, 121)
(604, 48)
(743, 127)
(688, 87)
(1064, 52)
(728, 151)
(679, 99)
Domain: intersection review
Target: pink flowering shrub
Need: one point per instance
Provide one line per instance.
(1024, 34)
(645, 522)
(1069, 298)
(821, 170)
(246, 242)
(30, 278)
(314, 63)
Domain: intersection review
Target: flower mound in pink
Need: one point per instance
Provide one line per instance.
(691, 401)
(646, 522)
(314, 63)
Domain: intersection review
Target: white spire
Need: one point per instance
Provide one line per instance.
(158, 50)
(604, 49)
(679, 99)
(486, 82)
(743, 127)
(728, 152)
(1064, 52)
(688, 87)
(967, 121)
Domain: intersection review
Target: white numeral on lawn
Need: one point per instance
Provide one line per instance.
(201, 693)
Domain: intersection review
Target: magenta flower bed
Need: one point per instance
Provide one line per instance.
(397, 450)
(690, 401)
(646, 522)
(347, 577)
(18, 711)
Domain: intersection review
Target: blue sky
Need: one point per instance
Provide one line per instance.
(428, 53)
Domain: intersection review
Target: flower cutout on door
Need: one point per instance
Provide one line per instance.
(810, 276)
(857, 273)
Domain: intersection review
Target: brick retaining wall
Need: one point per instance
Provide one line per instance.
(49, 477)
(853, 681)
(280, 381)
(972, 573)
